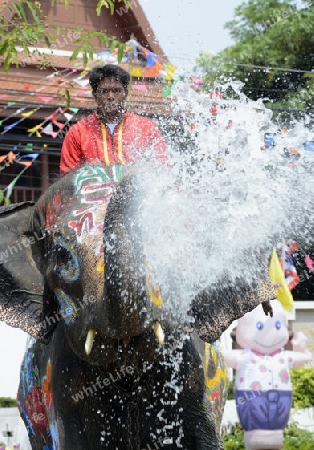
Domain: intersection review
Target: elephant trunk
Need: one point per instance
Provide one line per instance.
(125, 313)
(126, 306)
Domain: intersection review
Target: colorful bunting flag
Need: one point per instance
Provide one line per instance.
(139, 87)
(48, 129)
(197, 82)
(29, 113)
(9, 127)
(288, 268)
(10, 187)
(166, 90)
(35, 129)
(137, 72)
(44, 98)
(170, 70)
(31, 156)
(276, 274)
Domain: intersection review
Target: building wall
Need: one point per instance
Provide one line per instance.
(304, 320)
(10, 420)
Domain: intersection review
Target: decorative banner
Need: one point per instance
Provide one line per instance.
(20, 159)
(170, 70)
(53, 117)
(153, 63)
(25, 116)
(9, 127)
(10, 187)
(18, 111)
(29, 113)
(48, 129)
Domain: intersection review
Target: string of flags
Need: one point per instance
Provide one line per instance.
(51, 126)
(25, 161)
(154, 65)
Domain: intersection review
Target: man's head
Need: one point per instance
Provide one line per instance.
(110, 85)
(110, 71)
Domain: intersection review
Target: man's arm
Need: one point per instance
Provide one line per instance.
(71, 155)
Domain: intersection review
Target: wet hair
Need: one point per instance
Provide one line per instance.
(109, 71)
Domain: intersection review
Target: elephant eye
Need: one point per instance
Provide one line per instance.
(259, 325)
(66, 264)
(278, 324)
(63, 255)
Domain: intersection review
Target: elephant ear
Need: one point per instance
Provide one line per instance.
(217, 306)
(23, 296)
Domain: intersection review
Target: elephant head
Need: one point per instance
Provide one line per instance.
(77, 255)
(53, 263)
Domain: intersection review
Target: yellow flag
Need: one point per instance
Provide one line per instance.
(35, 129)
(277, 275)
(29, 113)
(137, 72)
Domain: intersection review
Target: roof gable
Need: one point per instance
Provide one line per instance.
(124, 24)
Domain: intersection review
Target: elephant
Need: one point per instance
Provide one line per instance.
(107, 366)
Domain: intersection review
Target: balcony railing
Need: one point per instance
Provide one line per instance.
(25, 194)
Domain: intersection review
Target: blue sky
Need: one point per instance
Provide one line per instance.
(185, 27)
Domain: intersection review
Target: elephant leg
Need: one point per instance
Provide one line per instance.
(206, 435)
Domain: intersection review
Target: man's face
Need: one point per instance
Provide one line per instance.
(110, 97)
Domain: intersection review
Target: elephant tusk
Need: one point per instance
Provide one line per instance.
(159, 332)
(90, 340)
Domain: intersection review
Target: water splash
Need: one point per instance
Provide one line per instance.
(232, 197)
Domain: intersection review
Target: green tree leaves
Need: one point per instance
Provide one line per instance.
(24, 25)
(273, 55)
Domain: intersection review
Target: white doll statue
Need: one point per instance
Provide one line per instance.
(263, 389)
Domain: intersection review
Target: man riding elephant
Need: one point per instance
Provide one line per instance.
(112, 135)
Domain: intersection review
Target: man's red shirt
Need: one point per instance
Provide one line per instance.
(89, 140)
